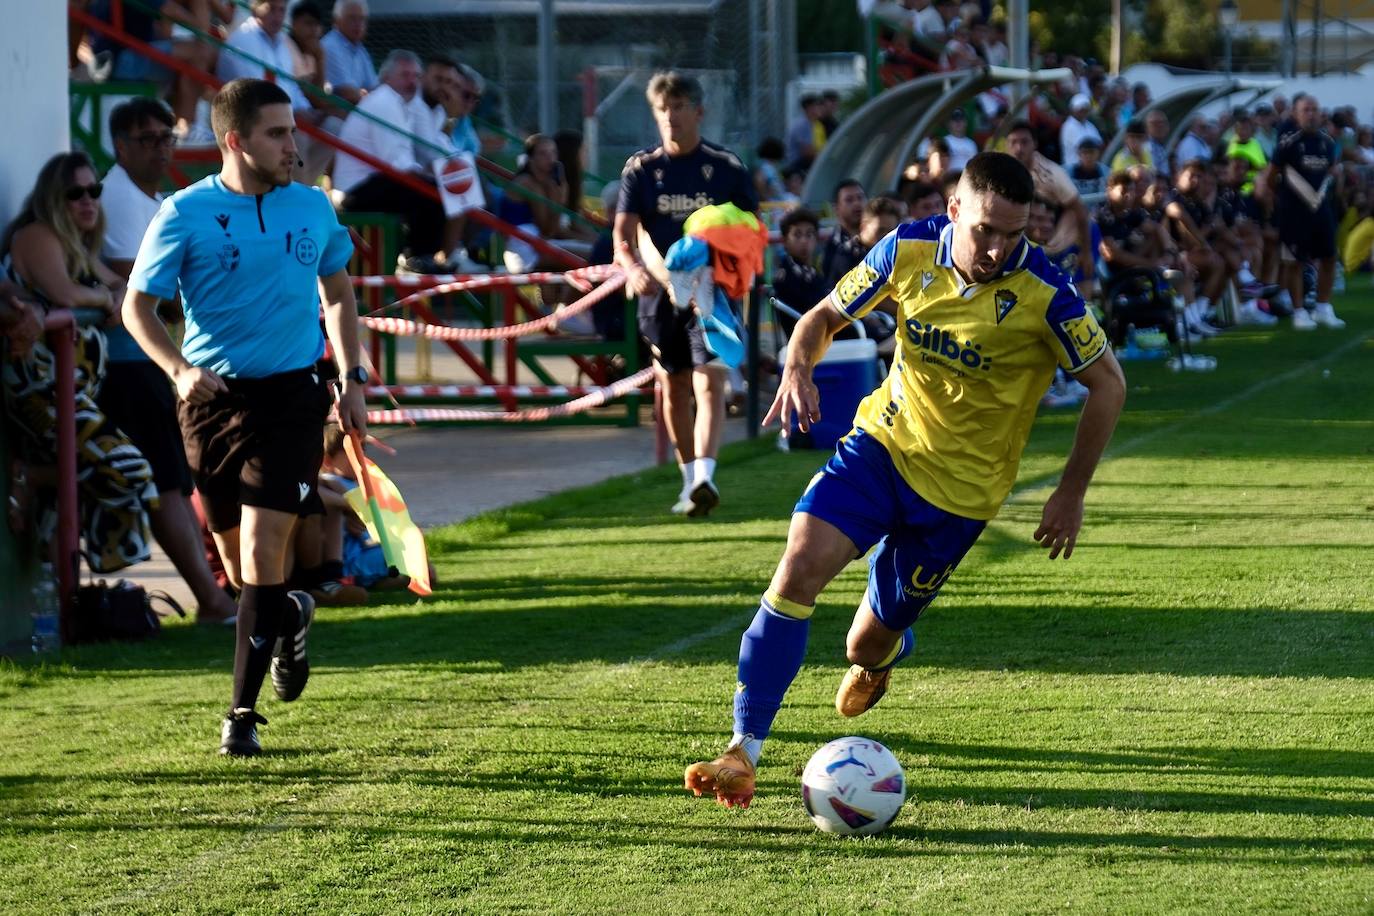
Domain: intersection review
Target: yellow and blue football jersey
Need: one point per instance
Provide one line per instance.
(972, 362)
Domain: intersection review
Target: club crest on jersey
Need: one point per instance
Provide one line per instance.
(1005, 300)
(707, 171)
(228, 256)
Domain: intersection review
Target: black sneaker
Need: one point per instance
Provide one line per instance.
(704, 497)
(290, 667)
(238, 736)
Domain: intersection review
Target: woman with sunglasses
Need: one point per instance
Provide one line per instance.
(52, 248)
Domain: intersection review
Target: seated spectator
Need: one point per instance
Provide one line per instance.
(1157, 141)
(842, 250)
(1195, 143)
(959, 52)
(1073, 261)
(432, 240)
(1139, 101)
(768, 181)
(537, 212)
(830, 112)
(157, 23)
(1245, 145)
(962, 147)
(136, 396)
(796, 281)
(262, 38)
(1194, 224)
(461, 130)
(1136, 252)
(922, 199)
(1075, 128)
(348, 65)
(1088, 173)
(307, 54)
(438, 85)
(1242, 215)
(1134, 150)
(806, 133)
(53, 248)
(1054, 185)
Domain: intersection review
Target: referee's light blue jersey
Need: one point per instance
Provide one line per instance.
(247, 266)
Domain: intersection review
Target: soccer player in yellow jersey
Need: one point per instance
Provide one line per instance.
(984, 318)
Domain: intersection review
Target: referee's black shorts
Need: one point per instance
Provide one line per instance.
(137, 397)
(259, 444)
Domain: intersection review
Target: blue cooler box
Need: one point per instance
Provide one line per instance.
(846, 375)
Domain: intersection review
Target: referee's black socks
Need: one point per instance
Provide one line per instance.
(262, 613)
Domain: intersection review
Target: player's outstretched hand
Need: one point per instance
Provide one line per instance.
(1060, 522)
(797, 397)
(198, 386)
(352, 410)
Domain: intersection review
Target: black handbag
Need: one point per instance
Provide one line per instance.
(120, 611)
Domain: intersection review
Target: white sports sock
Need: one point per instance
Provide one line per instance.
(706, 469)
(752, 746)
(1244, 275)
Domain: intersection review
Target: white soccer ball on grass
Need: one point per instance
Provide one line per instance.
(853, 786)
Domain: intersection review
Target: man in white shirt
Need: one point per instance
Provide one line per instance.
(962, 147)
(1076, 127)
(385, 125)
(135, 395)
(263, 39)
(1194, 144)
(347, 64)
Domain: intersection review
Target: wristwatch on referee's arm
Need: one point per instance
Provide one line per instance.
(357, 375)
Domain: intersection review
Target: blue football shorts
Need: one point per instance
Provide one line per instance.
(860, 492)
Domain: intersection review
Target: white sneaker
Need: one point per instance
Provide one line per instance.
(460, 262)
(1251, 314)
(1324, 315)
(1192, 362)
(1303, 320)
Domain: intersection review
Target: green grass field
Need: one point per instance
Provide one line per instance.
(1179, 719)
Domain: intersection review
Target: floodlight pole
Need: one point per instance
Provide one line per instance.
(1018, 37)
(548, 70)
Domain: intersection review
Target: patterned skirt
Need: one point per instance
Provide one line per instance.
(114, 480)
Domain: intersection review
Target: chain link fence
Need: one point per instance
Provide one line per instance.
(741, 50)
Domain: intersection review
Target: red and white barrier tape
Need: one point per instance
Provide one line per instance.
(478, 391)
(405, 328)
(595, 398)
(581, 277)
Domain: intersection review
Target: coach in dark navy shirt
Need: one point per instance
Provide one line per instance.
(1304, 174)
(659, 189)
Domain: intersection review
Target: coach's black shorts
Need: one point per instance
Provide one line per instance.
(1306, 236)
(674, 335)
(138, 398)
(259, 444)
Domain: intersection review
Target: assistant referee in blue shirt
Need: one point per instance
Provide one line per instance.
(250, 251)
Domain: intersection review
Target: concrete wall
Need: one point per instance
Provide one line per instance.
(33, 97)
(33, 116)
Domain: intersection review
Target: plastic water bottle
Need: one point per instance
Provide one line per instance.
(46, 608)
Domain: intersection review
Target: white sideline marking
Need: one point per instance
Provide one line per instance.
(1130, 445)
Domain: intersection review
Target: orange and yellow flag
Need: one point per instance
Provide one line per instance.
(379, 504)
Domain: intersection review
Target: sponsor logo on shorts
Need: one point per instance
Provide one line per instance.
(1086, 334)
(923, 585)
(940, 346)
(305, 490)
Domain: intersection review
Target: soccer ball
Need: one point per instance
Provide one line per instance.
(853, 786)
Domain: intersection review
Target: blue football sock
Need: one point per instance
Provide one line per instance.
(770, 655)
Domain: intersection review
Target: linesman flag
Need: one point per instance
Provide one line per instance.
(380, 506)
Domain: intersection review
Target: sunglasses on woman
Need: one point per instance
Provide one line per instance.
(77, 192)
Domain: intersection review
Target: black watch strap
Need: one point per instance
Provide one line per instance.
(356, 374)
